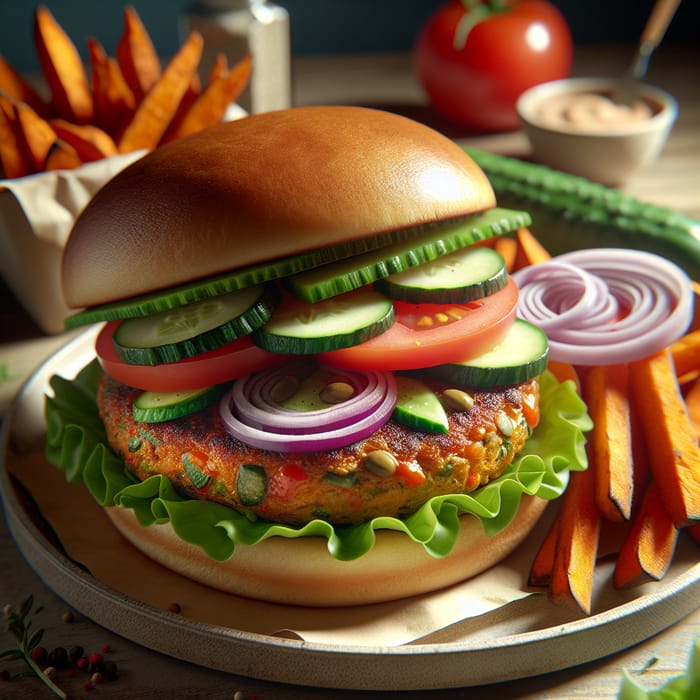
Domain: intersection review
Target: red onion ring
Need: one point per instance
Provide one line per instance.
(283, 430)
(251, 399)
(606, 305)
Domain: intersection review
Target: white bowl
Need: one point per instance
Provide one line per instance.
(601, 152)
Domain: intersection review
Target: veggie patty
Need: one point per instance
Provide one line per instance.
(392, 472)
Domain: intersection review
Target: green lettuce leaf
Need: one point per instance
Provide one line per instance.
(77, 444)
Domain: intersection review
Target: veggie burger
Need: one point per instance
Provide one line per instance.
(310, 372)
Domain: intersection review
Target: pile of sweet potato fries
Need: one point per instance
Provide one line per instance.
(116, 105)
(643, 480)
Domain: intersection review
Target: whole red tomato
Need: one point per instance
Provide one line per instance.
(475, 58)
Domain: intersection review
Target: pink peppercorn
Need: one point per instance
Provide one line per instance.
(95, 658)
(39, 654)
(82, 663)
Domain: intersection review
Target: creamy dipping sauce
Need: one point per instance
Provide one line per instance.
(590, 111)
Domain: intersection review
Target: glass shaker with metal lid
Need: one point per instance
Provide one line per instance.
(239, 27)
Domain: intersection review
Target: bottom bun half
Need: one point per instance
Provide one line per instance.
(302, 572)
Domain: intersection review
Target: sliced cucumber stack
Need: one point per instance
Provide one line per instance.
(300, 328)
(463, 276)
(158, 406)
(343, 276)
(521, 355)
(189, 330)
(472, 228)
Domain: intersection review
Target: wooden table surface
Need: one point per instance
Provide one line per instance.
(384, 81)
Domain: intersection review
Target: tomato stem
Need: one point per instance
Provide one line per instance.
(475, 11)
(489, 6)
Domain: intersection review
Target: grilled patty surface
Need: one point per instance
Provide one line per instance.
(391, 473)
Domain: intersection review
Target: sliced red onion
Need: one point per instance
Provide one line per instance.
(283, 430)
(606, 305)
(251, 399)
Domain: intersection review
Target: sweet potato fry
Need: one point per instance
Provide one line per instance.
(606, 392)
(12, 153)
(530, 250)
(640, 457)
(16, 87)
(650, 543)
(209, 107)
(191, 95)
(692, 404)
(543, 563)
(571, 583)
(36, 135)
(90, 142)
(686, 353)
(63, 69)
(114, 100)
(137, 56)
(62, 156)
(219, 68)
(159, 106)
(563, 371)
(674, 455)
(507, 246)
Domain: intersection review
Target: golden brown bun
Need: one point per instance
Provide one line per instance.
(263, 187)
(301, 572)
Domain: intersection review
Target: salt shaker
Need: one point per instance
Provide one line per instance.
(256, 27)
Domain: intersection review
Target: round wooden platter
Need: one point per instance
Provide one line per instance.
(526, 638)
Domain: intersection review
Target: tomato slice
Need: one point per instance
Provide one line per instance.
(425, 335)
(228, 362)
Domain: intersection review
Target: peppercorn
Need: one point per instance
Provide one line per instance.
(39, 655)
(111, 671)
(95, 658)
(75, 652)
(59, 657)
(96, 668)
(96, 678)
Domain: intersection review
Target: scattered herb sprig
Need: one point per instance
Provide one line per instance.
(683, 687)
(20, 627)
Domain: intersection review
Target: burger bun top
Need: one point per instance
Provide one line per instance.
(265, 186)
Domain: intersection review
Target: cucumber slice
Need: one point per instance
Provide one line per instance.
(300, 328)
(251, 484)
(200, 479)
(463, 276)
(418, 407)
(195, 328)
(148, 304)
(519, 356)
(161, 406)
(345, 275)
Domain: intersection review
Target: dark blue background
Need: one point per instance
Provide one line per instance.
(318, 26)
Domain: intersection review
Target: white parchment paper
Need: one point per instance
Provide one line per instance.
(36, 215)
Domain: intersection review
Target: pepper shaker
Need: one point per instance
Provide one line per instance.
(256, 27)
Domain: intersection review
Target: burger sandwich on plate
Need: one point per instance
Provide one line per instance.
(311, 383)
